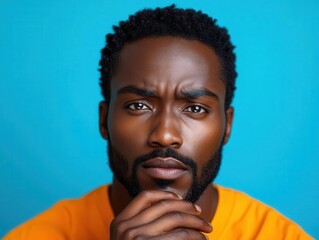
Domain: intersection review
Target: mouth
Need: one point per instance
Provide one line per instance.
(164, 168)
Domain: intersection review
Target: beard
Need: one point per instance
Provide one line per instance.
(120, 168)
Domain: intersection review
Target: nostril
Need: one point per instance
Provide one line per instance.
(166, 140)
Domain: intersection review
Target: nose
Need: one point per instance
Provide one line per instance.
(165, 130)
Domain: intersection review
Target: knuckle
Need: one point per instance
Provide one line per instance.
(163, 203)
(183, 233)
(131, 234)
(177, 216)
(139, 237)
(147, 194)
(118, 226)
(127, 235)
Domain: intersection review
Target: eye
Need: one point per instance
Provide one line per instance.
(195, 109)
(136, 106)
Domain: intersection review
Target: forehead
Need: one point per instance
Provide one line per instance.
(168, 63)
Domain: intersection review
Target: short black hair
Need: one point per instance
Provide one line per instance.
(170, 21)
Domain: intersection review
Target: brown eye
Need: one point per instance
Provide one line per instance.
(137, 106)
(195, 109)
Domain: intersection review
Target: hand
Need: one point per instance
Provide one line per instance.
(159, 215)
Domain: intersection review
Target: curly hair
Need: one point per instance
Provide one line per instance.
(169, 21)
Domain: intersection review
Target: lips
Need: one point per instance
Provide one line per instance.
(164, 168)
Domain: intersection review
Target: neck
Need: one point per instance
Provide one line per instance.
(208, 202)
(120, 198)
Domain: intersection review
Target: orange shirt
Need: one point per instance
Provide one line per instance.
(238, 216)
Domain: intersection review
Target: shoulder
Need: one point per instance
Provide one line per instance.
(63, 218)
(242, 214)
(53, 222)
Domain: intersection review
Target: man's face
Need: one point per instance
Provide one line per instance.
(166, 121)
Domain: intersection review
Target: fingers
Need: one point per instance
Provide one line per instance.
(174, 220)
(180, 233)
(161, 208)
(165, 224)
(159, 214)
(143, 201)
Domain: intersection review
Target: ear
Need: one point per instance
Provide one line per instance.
(103, 111)
(229, 122)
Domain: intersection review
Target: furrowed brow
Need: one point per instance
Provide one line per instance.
(138, 91)
(203, 92)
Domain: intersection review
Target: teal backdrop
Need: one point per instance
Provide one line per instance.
(50, 145)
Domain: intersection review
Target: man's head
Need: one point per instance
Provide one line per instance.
(169, 21)
(168, 77)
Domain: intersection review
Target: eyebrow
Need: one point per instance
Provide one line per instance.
(190, 94)
(138, 91)
(196, 93)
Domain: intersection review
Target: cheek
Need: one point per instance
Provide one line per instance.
(205, 138)
(126, 133)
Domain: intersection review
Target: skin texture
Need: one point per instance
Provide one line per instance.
(159, 117)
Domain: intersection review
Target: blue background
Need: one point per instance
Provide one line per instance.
(50, 145)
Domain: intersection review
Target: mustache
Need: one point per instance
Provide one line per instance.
(166, 153)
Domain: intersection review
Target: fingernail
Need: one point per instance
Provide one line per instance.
(197, 208)
(179, 196)
(206, 237)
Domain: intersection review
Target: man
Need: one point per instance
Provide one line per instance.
(168, 79)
